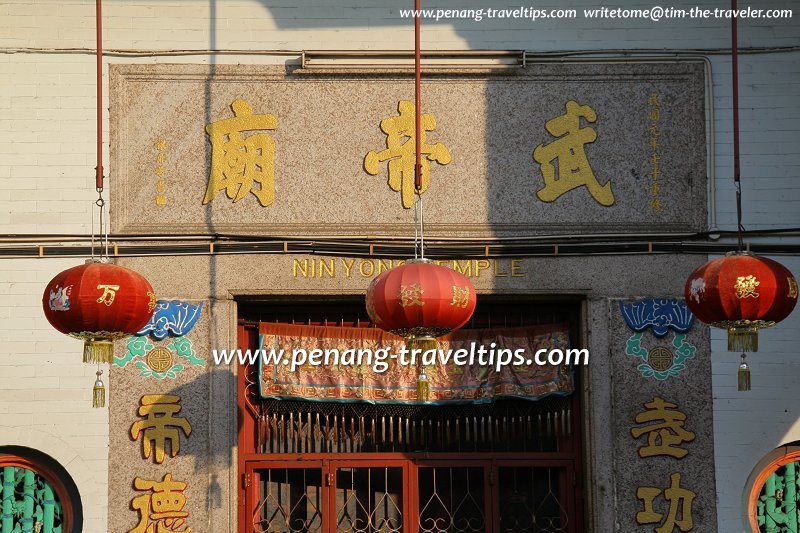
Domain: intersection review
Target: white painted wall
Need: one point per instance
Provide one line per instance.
(45, 391)
(47, 159)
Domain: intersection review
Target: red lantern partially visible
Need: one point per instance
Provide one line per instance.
(742, 293)
(99, 303)
(420, 300)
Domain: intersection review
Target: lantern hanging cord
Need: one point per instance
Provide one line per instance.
(93, 259)
(419, 229)
(419, 220)
(102, 232)
(735, 94)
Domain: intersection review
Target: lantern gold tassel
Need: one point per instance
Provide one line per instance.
(743, 339)
(744, 374)
(96, 351)
(99, 392)
(423, 387)
(422, 343)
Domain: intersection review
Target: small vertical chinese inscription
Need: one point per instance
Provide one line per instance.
(654, 116)
(161, 171)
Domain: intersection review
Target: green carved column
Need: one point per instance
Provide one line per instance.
(790, 498)
(28, 499)
(8, 500)
(772, 510)
(29, 503)
(777, 504)
(49, 509)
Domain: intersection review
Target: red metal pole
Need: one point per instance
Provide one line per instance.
(418, 119)
(99, 24)
(735, 85)
(735, 97)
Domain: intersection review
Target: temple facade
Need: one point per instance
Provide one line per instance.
(260, 175)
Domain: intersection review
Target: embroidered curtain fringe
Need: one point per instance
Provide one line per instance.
(346, 380)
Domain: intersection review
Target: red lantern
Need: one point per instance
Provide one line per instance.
(741, 292)
(99, 303)
(420, 300)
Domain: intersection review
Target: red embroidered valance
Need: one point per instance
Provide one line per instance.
(344, 380)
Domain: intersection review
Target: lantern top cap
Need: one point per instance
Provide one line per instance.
(423, 260)
(739, 252)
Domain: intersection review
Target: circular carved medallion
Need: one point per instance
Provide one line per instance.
(159, 359)
(660, 359)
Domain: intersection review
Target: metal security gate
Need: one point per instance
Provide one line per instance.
(508, 466)
(387, 495)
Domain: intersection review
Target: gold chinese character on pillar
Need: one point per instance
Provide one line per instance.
(242, 165)
(679, 513)
(569, 153)
(400, 151)
(663, 424)
(162, 510)
(160, 426)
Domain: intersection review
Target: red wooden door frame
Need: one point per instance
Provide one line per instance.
(569, 461)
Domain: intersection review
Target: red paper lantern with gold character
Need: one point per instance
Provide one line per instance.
(741, 292)
(99, 303)
(420, 300)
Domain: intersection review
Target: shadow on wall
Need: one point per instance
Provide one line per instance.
(212, 394)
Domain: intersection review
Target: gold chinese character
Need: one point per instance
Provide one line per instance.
(161, 158)
(400, 152)
(109, 292)
(152, 303)
(161, 186)
(653, 100)
(656, 205)
(160, 425)
(161, 200)
(655, 114)
(161, 171)
(237, 164)
(655, 160)
(680, 500)
(792, 287)
(654, 143)
(161, 145)
(569, 149)
(460, 296)
(746, 287)
(666, 434)
(655, 173)
(162, 511)
(655, 188)
(410, 294)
